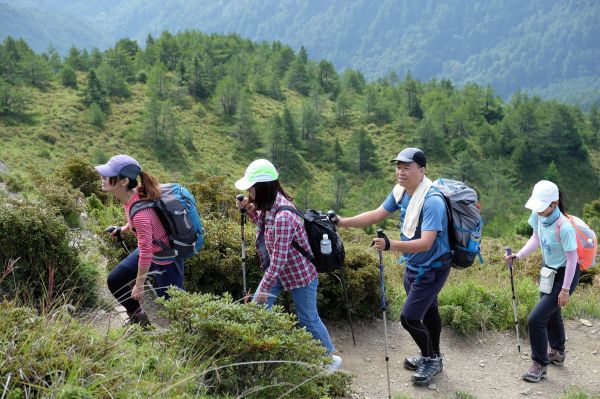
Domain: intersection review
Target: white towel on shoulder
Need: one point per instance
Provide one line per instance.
(411, 220)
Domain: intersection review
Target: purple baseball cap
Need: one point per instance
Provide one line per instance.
(120, 165)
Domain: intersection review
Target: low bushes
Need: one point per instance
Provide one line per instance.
(255, 352)
(57, 357)
(46, 265)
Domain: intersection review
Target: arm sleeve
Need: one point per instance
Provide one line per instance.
(570, 269)
(143, 232)
(284, 234)
(530, 246)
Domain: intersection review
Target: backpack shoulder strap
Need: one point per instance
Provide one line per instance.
(558, 225)
(139, 205)
(291, 209)
(294, 243)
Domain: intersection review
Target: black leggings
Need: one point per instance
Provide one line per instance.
(425, 333)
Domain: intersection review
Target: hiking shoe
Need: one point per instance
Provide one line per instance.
(427, 370)
(140, 318)
(535, 373)
(556, 357)
(336, 363)
(413, 363)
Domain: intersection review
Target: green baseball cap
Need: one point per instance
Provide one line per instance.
(258, 171)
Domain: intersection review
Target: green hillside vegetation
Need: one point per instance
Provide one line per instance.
(507, 44)
(194, 102)
(196, 109)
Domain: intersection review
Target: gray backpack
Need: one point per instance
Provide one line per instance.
(465, 224)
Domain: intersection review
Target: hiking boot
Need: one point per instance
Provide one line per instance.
(556, 357)
(427, 370)
(138, 317)
(413, 363)
(535, 373)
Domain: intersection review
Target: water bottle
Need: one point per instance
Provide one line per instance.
(325, 245)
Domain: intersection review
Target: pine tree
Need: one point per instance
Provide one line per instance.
(94, 92)
(54, 59)
(68, 76)
(298, 77)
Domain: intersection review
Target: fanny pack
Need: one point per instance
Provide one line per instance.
(547, 275)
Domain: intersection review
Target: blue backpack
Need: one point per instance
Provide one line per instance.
(177, 212)
(465, 224)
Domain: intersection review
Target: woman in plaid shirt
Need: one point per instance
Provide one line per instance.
(285, 268)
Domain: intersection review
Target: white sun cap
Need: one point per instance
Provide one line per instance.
(544, 193)
(260, 170)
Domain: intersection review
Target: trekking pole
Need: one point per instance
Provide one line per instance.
(514, 298)
(119, 237)
(240, 197)
(380, 234)
(331, 216)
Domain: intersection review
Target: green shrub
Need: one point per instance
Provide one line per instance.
(48, 266)
(254, 351)
(49, 138)
(96, 116)
(214, 196)
(57, 357)
(81, 175)
(362, 283)
(217, 268)
(14, 182)
(56, 192)
(469, 306)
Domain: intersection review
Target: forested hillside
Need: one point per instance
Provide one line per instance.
(549, 47)
(192, 102)
(42, 29)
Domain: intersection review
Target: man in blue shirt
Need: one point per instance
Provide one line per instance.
(424, 244)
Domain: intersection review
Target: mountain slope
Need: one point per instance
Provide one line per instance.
(508, 44)
(40, 29)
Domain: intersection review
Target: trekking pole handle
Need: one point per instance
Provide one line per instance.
(110, 230)
(509, 253)
(333, 217)
(240, 197)
(381, 234)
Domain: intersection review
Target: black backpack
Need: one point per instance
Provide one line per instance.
(316, 224)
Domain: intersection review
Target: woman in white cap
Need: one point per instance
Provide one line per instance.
(558, 278)
(285, 268)
(119, 177)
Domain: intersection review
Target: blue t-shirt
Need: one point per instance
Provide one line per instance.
(554, 251)
(434, 218)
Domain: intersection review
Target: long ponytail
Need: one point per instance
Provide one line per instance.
(561, 202)
(149, 188)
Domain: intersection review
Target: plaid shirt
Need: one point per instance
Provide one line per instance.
(287, 264)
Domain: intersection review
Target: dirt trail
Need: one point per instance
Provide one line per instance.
(486, 365)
